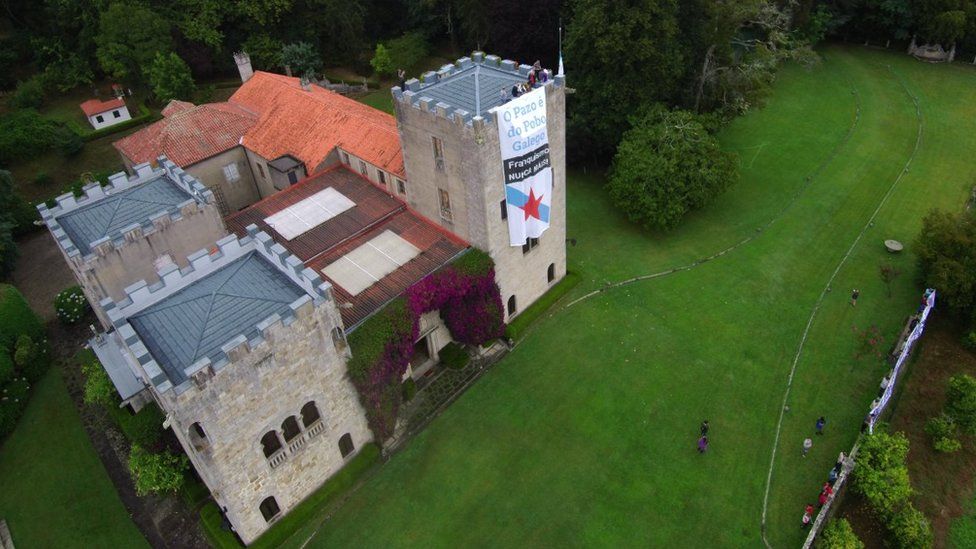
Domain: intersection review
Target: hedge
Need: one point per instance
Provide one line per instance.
(301, 515)
(144, 428)
(517, 327)
(17, 318)
(145, 116)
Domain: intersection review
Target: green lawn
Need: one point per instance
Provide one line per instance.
(585, 434)
(54, 491)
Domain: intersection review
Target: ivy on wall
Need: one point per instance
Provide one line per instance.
(470, 304)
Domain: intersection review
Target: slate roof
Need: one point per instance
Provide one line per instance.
(97, 106)
(374, 212)
(109, 215)
(198, 320)
(476, 89)
(188, 133)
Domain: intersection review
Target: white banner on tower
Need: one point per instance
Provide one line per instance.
(524, 141)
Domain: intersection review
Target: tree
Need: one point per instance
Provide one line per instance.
(159, 473)
(961, 402)
(839, 535)
(944, 21)
(667, 166)
(888, 274)
(946, 248)
(942, 428)
(264, 51)
(129, 37)
(302, 58)
(622, 55)
(881, 475)
(381, 61)
(170, 78)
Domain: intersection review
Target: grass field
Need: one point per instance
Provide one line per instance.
(53, 489)
(585, 434)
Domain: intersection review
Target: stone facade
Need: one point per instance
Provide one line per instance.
(471, 173)
(114, 264)
(225, 408)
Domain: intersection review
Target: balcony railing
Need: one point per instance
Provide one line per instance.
(277, 458)
(315, 428)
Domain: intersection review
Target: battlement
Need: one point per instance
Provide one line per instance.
(459, 92)
(75, 220)
(308, 290)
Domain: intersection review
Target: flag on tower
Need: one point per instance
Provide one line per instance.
(524, 140)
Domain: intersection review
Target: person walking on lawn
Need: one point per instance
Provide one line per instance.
(703, 445)
(854, 295)
(807, 444)
(704, 428)
(820, 425)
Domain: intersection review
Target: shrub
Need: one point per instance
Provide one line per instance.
(381, 62)
(407, 51)
(71, 305)
(98, 387)
(13, 400)
(160, 473)
(943, 431)
(32, 359)
(25, 133)
(839, 535)
(302, 58)
(881, 475)
(454, 356)
(170, 78)
(6, 367)
(409, 389)
(961, 402)
(17, 318)
(42, 179)
(667, 165)
(28, 95)
(910, 529)
(969, 340)
(144, 429)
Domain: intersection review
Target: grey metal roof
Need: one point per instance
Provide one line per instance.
(198, 320)
(109, 352)
(284, 163)
(109, 215)
(476, 89)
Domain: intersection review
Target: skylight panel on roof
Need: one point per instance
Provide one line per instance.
(369, 263)
(304, 216)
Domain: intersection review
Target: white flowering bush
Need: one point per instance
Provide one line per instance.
(71, 305)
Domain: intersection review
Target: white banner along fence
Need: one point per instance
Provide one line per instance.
(877, 408)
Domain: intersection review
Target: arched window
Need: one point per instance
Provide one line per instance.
(551, 273)
(270, 443)
(511, 305)
(290, 428)
(338, 338)
(269, 508)
(198, 438)
(345, 445)
(310, 414)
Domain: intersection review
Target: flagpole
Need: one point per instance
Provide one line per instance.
(561, 71)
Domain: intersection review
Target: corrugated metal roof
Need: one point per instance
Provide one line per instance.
(198, 320)
(375, 212)
(372, 205)
(109, 215)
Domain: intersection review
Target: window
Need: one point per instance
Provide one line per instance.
(345, 445)
(511, 305)
(504, 206)
(116, 114)
(270, 443)
(293, 177)
(382, 176)
(438, 152)
(529, 245)
(198, 438)
(551, 273)
(231, 174)
(338, 338)
(99, 119)
(401, 186)
(261, 171)
(269, 509)
(310, 414)
(345, 158)
(290, 428)
(362, 168)
(445, 201)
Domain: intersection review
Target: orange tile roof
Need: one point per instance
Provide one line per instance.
(310, 124)
(188, 134)
(97, 106)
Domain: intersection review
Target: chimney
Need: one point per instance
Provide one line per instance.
(306, 83)
(243, 61)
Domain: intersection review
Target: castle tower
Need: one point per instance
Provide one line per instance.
(453, 161)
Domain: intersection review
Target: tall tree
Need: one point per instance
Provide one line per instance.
(621, 55)
(170, 78)
(130, 35)
(526, 31)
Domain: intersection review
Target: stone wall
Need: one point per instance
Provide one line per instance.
(233, 195)
(472, 174)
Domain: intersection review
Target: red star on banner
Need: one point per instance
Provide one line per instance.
(531, 207)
